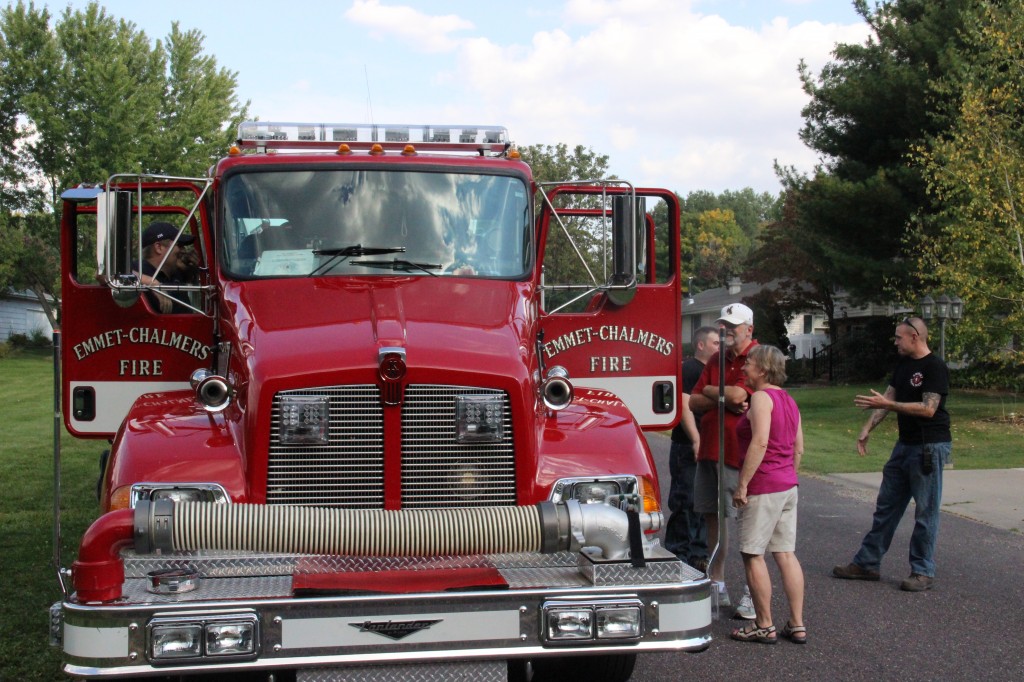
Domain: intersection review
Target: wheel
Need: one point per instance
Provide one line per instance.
(610, 668)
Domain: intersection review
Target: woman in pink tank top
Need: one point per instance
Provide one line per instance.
(772, 441)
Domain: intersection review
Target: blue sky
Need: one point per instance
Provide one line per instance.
(683, 94)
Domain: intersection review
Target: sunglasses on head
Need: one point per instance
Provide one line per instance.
(910, 323)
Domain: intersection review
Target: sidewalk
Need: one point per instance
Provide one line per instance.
(991, 496)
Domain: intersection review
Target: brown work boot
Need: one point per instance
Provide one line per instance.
(917, 583)
(852, 571)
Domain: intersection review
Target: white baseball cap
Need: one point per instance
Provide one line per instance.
(736, 313)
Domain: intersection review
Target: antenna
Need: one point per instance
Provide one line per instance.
(369, 101)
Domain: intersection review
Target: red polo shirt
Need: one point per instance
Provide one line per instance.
(709, 422)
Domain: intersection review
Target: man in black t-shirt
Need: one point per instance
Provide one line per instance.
(686, 532)
(164, 261)
(917, 394)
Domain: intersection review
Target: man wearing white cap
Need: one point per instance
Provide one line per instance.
(738, 321)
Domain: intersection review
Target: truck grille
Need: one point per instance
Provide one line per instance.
(437, 471)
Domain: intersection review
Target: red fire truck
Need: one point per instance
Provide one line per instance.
(375, 403)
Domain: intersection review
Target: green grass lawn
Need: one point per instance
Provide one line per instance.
(986, 427)
(984, 438)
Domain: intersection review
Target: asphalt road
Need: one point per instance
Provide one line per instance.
(968, 627)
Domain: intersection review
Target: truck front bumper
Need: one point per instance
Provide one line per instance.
(611, 607)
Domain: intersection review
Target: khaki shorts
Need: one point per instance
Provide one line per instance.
(768, 523)
(705, 488)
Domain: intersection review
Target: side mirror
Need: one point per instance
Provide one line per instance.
(114, 247)
(114, 234)
(625, 219)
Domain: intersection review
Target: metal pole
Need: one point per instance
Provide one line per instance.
(722, 534)
(57, 563)
(942, 339)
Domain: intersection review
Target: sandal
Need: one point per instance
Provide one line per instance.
(795, 633)
(753, 633)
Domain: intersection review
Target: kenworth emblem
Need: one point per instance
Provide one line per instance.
(393, 630)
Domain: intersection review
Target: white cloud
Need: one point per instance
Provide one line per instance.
(421, 31)
(703, 101)
(677, 97)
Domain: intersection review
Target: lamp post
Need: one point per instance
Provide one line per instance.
(942, 308)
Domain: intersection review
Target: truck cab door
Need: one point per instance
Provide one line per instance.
(610, 297)
(116, 344)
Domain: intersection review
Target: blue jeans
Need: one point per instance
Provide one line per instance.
(903, 480)
(685, 532)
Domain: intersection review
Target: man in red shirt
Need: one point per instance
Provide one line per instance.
(738, 321)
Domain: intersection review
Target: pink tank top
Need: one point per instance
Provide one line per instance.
(777, 471)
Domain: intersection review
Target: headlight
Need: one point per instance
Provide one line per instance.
(569, 622)
(479, 418)
(176, 640)
(587, 492)
(179, 492)
(595, 490)
(231, 639)
(618, 622)
(617, 490)
(304, 420)
(224, 636)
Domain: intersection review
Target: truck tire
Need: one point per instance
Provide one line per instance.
(610, 668)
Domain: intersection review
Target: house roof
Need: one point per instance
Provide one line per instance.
(713, 300)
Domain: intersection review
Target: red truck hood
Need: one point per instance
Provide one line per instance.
(328, 331)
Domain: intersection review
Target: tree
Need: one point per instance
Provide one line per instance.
(98, 99)
(869, 108)
(793, 261)
(975, 172)
(720, 245)
(717, 231)
(572, 252)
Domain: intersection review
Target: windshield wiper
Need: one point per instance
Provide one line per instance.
(339, 254)
(400, 265)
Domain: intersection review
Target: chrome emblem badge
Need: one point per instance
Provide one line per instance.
(394, 630)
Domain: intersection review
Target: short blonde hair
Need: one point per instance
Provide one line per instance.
(771, 360)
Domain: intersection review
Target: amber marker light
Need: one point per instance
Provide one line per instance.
(234, 150)
(409, 150)
(514, 154)
(344, 149)
(377, 149)
(651, 502)
(121, 499)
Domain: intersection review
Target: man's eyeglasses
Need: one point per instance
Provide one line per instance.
(910, 323)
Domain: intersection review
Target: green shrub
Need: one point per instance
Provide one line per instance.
(39, 339)
(1004, 374)
(18, 340)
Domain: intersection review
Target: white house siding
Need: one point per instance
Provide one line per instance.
(21, 313)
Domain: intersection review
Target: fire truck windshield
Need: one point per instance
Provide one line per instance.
(287, 223)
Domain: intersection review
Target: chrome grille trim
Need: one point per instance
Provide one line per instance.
(437, 471)
(349, 471)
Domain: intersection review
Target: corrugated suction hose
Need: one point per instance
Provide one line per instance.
(545, 527)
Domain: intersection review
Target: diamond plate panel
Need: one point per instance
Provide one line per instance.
(661, 567)
(454, 671)
(223, 564)
(540, 577)
(211, 589)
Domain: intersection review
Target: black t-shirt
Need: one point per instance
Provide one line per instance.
(692, 368)
(912, 379)
(154, 299)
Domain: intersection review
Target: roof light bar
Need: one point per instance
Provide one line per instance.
(264, 135)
